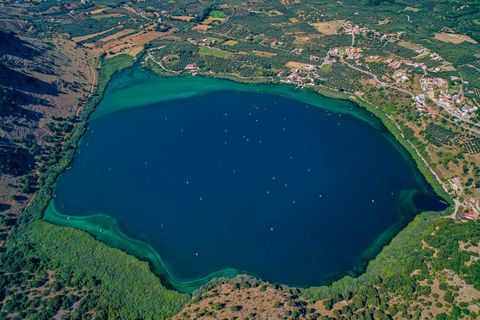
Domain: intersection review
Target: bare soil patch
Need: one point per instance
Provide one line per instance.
(329, 27)
(384, 21)
(134, 43)
(453, 38)
(96, 11)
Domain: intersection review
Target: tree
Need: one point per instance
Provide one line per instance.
(447, 297)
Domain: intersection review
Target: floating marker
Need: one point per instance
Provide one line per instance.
(293, 201)
(271, 229)
(201, 199)
(187, 182)
(267, 191)
(373, 200)
(196, 254)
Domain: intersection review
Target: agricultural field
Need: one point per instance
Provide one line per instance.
(217, 14)
(215, 52)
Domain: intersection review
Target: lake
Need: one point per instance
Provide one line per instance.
(206, 177)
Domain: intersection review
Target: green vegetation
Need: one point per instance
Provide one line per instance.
(118, 284)
(215, 52)
(217, 14)
(76, 265)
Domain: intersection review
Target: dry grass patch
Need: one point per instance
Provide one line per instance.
(212, 19)
(411, 9)
(202, 27)
(185, 18)
(230, 42)
(103, 16)
(88, 36)
(329, 27)
(117, 35)
(134, 43)
(96, 11)
(453, 38)
(264, 54)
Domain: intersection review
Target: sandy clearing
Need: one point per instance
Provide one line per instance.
(384, 21)
(329, 27)
(453, 38)
(411, 9)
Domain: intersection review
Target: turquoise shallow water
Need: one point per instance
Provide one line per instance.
(206, 177)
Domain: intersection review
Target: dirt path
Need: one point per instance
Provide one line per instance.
(150, 56)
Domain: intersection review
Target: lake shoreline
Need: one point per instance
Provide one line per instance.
(359, 271)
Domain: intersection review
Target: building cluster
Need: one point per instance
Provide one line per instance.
(349, 28)
(433, 83)
(349, 53)
(304, 76)
(400, 76)
(192, 68)
(203, 42)
(455, 106)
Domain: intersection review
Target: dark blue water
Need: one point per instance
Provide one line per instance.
(255, 182)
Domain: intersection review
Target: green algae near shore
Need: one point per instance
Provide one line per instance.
(105, 228)
(111, 229)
